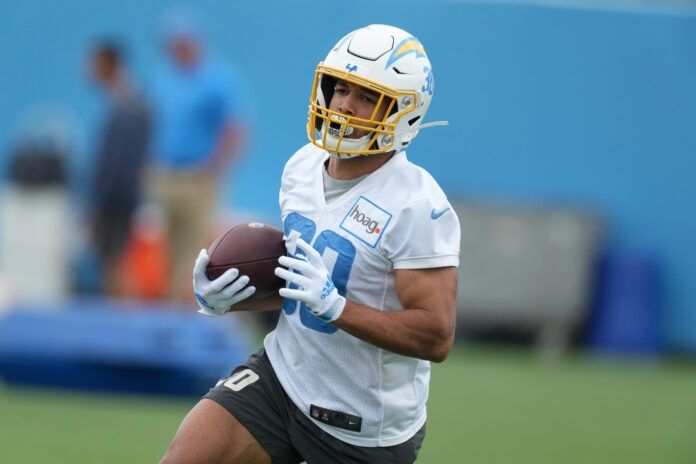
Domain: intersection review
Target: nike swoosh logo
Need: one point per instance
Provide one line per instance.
(436, 214)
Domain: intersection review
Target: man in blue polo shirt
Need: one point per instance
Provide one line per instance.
(199, 109)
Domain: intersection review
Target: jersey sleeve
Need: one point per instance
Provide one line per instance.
(292, 173)
(283, 192)
(425, 235)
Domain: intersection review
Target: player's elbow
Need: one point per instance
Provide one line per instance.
(441, 344)
(439, 352)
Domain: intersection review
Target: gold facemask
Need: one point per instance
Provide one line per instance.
(331, 130)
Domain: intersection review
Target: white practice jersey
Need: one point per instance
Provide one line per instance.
(395, 218)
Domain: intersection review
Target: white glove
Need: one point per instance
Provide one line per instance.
(317, 290)
(216, 297)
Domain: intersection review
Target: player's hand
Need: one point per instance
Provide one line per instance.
(317, 290)
(216, 297)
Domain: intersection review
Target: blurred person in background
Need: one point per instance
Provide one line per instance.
(120, 157)
(198, 128)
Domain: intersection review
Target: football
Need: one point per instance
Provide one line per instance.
(254, 249)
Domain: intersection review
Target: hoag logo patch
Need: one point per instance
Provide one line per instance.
(366, 221)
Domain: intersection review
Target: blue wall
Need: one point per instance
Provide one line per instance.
(545, 104)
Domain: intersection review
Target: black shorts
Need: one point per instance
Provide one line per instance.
(257, 400)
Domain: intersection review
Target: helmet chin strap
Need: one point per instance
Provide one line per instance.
(345, 155)
(422, 126)
(433, 124)
(350, 143)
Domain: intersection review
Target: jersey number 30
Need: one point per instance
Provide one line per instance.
(326, 240)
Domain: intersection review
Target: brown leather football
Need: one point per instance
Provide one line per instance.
(254, 249)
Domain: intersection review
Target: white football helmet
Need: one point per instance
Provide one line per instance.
(387, 61)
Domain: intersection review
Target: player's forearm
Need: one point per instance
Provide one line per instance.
(419, 333)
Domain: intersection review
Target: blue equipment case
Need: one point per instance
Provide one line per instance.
(101, 345)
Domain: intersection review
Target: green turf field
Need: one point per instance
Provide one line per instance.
(486, 406)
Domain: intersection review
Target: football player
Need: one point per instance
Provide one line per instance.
(372, 253)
